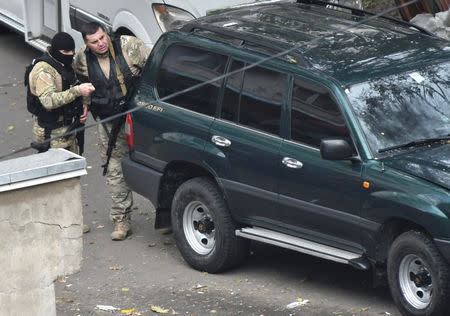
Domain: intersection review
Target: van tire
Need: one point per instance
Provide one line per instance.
(203, 228)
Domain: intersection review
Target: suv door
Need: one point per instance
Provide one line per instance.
(245, 141)
(319, 198)
(165, 131)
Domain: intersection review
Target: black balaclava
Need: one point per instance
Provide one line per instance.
(64, 41)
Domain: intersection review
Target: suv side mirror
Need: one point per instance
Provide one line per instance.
(335, 149)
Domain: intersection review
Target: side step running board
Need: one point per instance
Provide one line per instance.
(39, 43)
(304, 246)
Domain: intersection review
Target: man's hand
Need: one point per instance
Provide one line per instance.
(83, 116)
(86, 89)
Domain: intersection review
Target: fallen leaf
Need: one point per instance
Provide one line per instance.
(213, 311)
(10, 128)
(115, 268)
(364, 309)
(125, 289)
(159, 310)
(128, 311)
(153, 244)
(168, 242)
(100, 226)
(13, 104)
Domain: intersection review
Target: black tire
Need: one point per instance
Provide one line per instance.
(203, 228)
(418, 276)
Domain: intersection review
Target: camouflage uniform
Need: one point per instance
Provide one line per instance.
(135, 53)
(46, 84)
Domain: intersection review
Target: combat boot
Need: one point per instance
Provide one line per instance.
(121, 228)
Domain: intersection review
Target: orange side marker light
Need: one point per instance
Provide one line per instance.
(366, 184)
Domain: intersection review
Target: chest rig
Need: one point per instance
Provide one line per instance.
(108, 95)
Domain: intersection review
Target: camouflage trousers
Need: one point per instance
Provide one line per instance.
(121, 195)
(69, 142)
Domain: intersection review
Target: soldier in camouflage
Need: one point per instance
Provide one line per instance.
(46, 81)
(101, 61)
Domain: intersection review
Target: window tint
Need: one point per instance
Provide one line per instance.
(254, 98)
(314, 115)
(184, 67)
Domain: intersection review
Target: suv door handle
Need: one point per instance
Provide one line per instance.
(220, 141)
(292, 163)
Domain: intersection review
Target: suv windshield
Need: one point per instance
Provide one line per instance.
(403, 108)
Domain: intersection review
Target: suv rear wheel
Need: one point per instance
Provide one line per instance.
(418, 275)
(203, 228)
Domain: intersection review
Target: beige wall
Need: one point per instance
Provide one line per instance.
(41, 239)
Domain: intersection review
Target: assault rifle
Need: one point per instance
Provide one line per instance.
(115, 129)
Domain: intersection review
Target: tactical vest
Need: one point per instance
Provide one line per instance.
(48, 119)
(105, 100)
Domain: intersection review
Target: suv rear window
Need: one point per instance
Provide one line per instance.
(184, 67)
(254, 98)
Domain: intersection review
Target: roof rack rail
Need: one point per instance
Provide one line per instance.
(279, 46)
(359, 12)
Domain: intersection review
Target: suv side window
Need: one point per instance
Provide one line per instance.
(254, 98)
(314, 115)
(184, 67)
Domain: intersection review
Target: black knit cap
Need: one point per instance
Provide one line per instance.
(62, 40)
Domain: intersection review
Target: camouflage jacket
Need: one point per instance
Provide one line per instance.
(46, 84)
(134, 51)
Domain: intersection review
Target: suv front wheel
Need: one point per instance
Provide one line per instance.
(203, 228)
(418, 275)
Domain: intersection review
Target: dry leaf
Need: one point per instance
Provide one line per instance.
(168, 242)
(125, 289)
(100, 226)
(115, 268)
(10, 128)
(159, 310)
(128, 311)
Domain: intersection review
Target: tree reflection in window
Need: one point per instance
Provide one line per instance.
(404, 107)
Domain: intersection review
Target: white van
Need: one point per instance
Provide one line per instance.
(39, 20)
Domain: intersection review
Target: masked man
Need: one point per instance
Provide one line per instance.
(55, 96)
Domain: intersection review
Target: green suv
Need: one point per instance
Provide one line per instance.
(338, 149)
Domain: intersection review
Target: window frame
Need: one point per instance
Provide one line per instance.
(195, 47)
(284, 102)
(320, 86)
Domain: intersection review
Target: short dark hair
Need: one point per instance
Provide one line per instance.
(90, 28)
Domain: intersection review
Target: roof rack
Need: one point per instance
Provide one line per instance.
(276, 46)
(359, 12)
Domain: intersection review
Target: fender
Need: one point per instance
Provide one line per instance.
(382, 206)
(127, 20)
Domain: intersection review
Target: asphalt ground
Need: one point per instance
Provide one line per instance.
(146, 271)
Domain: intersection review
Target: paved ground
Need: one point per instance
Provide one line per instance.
(147, 270)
